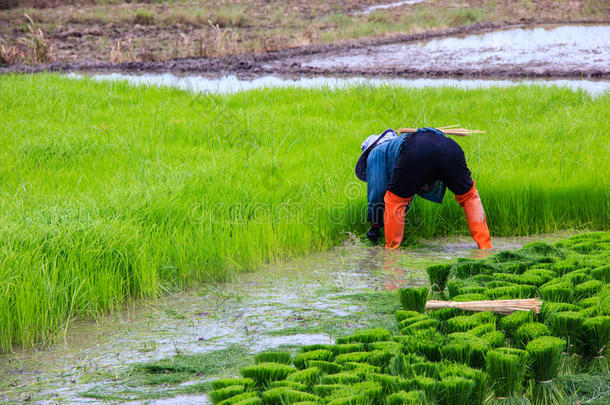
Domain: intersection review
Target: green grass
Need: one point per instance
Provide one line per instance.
(109, 192)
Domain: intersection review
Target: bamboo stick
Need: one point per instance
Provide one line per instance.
(497, 306)
(450, 130)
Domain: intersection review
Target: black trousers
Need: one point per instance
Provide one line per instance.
(425, 158)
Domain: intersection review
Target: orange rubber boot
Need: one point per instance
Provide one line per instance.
(394, 219)
(475, 215)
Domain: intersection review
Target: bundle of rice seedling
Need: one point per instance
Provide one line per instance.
(425, 384)
(470, 297)
(566, 325)
(466, 268)
(497, 306)
(402, 315)
(371, 390)
(392, 347)
(455, 390)
(360, 369)
(347, 348)
(529, 332)
(576, 277)
(545, 354)
(414, 299)
(284, 395)
(380, 358)
(458, 351)
(300, 361)
(346, 377)
(557, 293)
(595, 340)
(602, 273)
(426, 342)
(251, 398)
(353, 357)
(442, 314)
(461, 323)
(506, 369)
(389, 383)
(482, 329)
(273, 357)
(317, 346)
(221, 394)
(411, 320)
(227, 382)
(425, 369)
(423, 324)
(367, 336)
(309, 376)
(326, 367)
(350, 399)
(438, 275)
(510, 323)
(293, 385)
(407, 398)
(588, 288)
(326, 390)
(550, 308)
(494, 339)
(263, 373)
(480, 390)
(511, 292)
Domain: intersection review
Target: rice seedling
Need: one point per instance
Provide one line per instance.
(351, 399)
(545, 354)
(602, 273)
(326, 367)
(423, 324)
(494, 339)
(512, 292)
(284, 395)
(557, 293)
(310, 348)
(402, 315)
(506, 370)
(407, 398)
(360, 369)
(425, 369)
(438, 275)
(300, 361)
(263, 373)
(308, 376)
(342, 348)
(464, 323)
(227, 382)
(353, 357)
(392, 347)
(379, 358)
(470, 297)
(530, 331)
(293, 385)
(588, 288)
(455, 390)
(409, 321)
(567, 325)
(367, 336)
(483, 329)
(467, 268)
(443, 314)
(251, 398)
(273, 357)
(457, 351)
(325, 390)
(346, 377)
(480, 389)
(414, 299)
(221, 394)
(577, 277)
(550, 308)
(425, 384)
(595, 340)
(426, 342)
(510, 323)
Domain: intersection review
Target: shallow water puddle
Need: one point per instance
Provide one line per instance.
(370, 9)
(303, 301)
(554, 50)
(233, 84)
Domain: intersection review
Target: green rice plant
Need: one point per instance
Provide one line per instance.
(577, 277)
(227, 382)
(317, 346)
(473, 354)
(594, 342)
(444, 313)
(402, 315)
(425, 342)
(425, 384)
(221, 394)
(293, 385)
(602, 273)
(326, 390)
(562, 268)
(530, 331)
(540, 276)
(566, 325)
(545, 354)
(469, 297)
(407, 398)
(482, 279)
(425, 369)
(494, 339)
(326, 367)
(474, 289)
(510, 323)
(392, 347)
(347, 348)
(380, 358)
(420, 325)
(465, 268)
(263, 373)
(414, 299)
(482, 329)
(455, 390)
(346, 377)
(480, 390)
(464, 323)
(371, 390)
(506, 370)
(300, 360)
(588, 288)
(457, 351)
(284, 395)
(353, 357)
(308, 376)
(360, 369)
(409, 321)
(352, 399)
(438, 275)
(497, 284)
(557, 293)
(512, 292)
(273, 357)
(367, 336)
(454, 287)
(245, 398)
(389, 383)
(548, 309)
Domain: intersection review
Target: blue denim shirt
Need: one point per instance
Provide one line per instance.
(379, 166)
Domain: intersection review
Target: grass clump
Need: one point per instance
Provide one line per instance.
(414, 299)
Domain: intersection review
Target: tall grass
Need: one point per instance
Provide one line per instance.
(109, 192)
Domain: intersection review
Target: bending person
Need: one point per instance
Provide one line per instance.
(396, 167)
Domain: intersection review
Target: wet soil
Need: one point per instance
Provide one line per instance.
(306, 301)
(417, 55)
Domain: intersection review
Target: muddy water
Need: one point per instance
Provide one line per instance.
(370, 9)
(233, 84)
(556, 51)
(252, 310)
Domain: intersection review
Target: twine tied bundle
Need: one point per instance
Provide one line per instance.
(497, 306)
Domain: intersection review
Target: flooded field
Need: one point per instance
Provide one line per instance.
(569, 50)
(233, 84)
(306, 301)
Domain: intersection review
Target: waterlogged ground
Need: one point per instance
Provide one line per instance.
(216, 329)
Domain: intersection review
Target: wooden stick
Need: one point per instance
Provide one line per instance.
(497, 306)
(453, 131)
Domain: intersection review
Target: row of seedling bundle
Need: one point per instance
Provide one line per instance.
(450, 356)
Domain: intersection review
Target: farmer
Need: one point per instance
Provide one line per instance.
(396, 167)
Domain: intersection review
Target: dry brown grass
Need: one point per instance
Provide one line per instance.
(31, 49)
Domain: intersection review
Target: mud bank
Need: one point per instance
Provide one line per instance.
(327, 59)
(306, 301)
